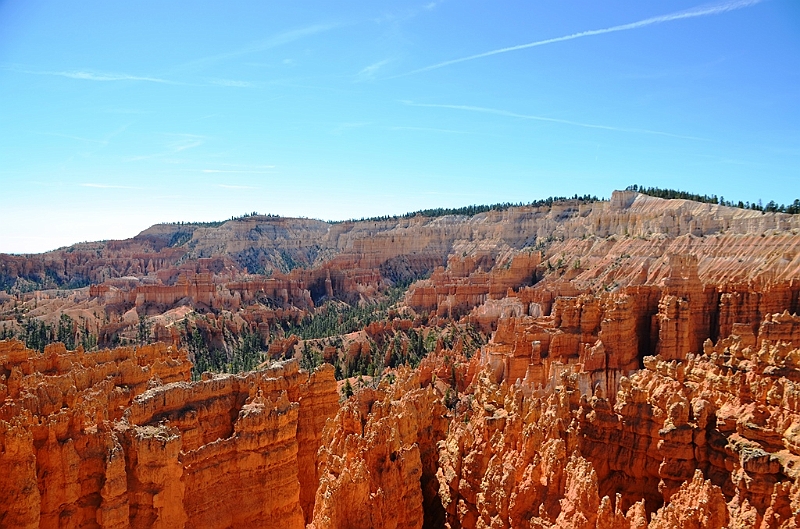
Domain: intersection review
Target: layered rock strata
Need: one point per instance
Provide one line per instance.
(351, 253)
(641, 372)
(603, 336)
(747, 266)
(121, 438)
(708, 441)
(378, 459)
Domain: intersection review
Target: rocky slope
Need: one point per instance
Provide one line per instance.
(576, 247)
(377, 463)
(705, 441)
(713, 432)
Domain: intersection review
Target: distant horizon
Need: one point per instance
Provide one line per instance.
(116, 117)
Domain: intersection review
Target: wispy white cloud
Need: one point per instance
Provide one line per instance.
(95, 76)
(108, 186)
(182, 145)
(97, 144)
(71, 137)
(506, 113)
(368, 73)
(430, 5)
(407, 13)
(184, 142)
(279, 39)
(700, 11)
(91, 76)
(231, 82)
(85, 75)
(181, 142)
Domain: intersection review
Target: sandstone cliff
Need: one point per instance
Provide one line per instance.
(399, 247)
(706, 441)
(748, 264)
(378, 459)
(121, 438)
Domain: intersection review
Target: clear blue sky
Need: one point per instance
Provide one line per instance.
(118, 115)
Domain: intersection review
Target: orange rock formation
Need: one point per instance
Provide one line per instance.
(377, 463)
(641, 372)
(706, 441)
(121, 438)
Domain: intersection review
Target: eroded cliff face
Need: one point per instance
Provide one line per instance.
(704, 442)
(121, 438)
(708, 440)
(351, 253)
(641, 372)
(493, 264)
(378, 458)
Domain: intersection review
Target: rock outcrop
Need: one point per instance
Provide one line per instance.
(377, 463)
(122, 438)
(403, 248)
(707, 441)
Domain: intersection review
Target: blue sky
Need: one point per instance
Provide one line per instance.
(118, 115)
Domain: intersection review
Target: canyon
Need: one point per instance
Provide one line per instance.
(598, 364)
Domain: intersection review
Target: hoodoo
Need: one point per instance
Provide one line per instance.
(582, 363)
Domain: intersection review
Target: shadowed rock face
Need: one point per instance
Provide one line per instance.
(120, 438)
(662, 399)
(706, 441)
(377, 464)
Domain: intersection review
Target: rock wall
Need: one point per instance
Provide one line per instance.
(465, 284)
(377, 463)
(602, 336)
(706, 441)
(121, 438)
(641, 372)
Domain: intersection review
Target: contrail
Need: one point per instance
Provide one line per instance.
(553, 120)
(92, 76)
(691, 13)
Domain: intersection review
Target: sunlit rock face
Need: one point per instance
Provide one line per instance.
(706, 441)
(637, 368)
(121, 438)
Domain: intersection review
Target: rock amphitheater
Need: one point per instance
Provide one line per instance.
(638, 366)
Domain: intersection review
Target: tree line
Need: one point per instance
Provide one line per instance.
(395, 348)
(470, 211)
(338, 318)
(240, 352)
(771, 206)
